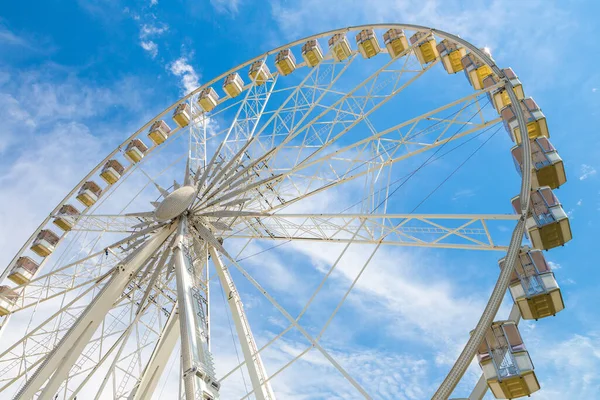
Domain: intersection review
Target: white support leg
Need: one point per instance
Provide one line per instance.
(60, 360)
(197, 373)
(258, 375)
(158, 360)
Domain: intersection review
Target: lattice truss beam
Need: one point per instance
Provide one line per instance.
(413, 230)
(117, 352)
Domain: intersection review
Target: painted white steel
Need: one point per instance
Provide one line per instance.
(256, 370)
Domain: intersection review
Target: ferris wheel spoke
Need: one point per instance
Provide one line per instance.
(248, 115)
(352, 109)
(413, 230)
(120, 223)
(383, 149)
(294, 322)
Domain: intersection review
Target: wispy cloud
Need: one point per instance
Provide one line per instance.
(149, 31)
(586, 171)
(226, 6)
(189, 79)
(150, 47)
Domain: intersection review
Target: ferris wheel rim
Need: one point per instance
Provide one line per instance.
(525, 181)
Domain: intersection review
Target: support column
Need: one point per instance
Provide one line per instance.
(256, 370)
(60, 360)
(158, 360)
(197, 366)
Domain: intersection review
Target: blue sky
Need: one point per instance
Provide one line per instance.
(76, 79)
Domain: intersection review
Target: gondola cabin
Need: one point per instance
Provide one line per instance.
(233, 85)
(182, 115)
(208, 98)
(285, 62)
(8, 297)
(23, 270)
(66, 217)
(159, 132)
(367, 43)
(339, 46)
(395, 42)
(135, 150)
(534, 118)
(312, 53)
(89, 193)
(547, 225)
(112, 171)
(44, 243)
(499, 97)
(425, 47)
(259, 72)
(548, 167)
(451, 55)
(505, 362)
(533, 286)
(475, 69)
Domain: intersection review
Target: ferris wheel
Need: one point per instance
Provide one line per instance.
(113, 292)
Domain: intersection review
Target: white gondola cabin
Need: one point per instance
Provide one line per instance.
(499, 97)
(312, 53)
(159, 132)
(548, 167)
(112, 171)
(208, 98)
(533, 286)
(233, 85)
(182, 115)
(66, 217)
(505, 362)
(395, 42)
(23, 270)
(8, 297)
(339, 46)
(135, 150)
(44, 243)
(547, 225)
(426, 49)
(367, 43)
(534, 118)
(89, 193)
(259, 72)
(285, 62)
(475, 69)
(451, 55)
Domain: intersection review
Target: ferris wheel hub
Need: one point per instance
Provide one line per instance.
(175, 203)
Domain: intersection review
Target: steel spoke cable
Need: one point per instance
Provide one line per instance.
(407, 177)
(380, 241)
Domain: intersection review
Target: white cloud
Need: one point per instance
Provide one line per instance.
(572, 363)
(148, 30)
(189, 78)
(594, 90)
(153, 2)
(580, 202)
(586, 171)
(150, 47)
(554, 265)
(226, 6)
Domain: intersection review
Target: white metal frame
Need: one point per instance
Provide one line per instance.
(241, 191)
